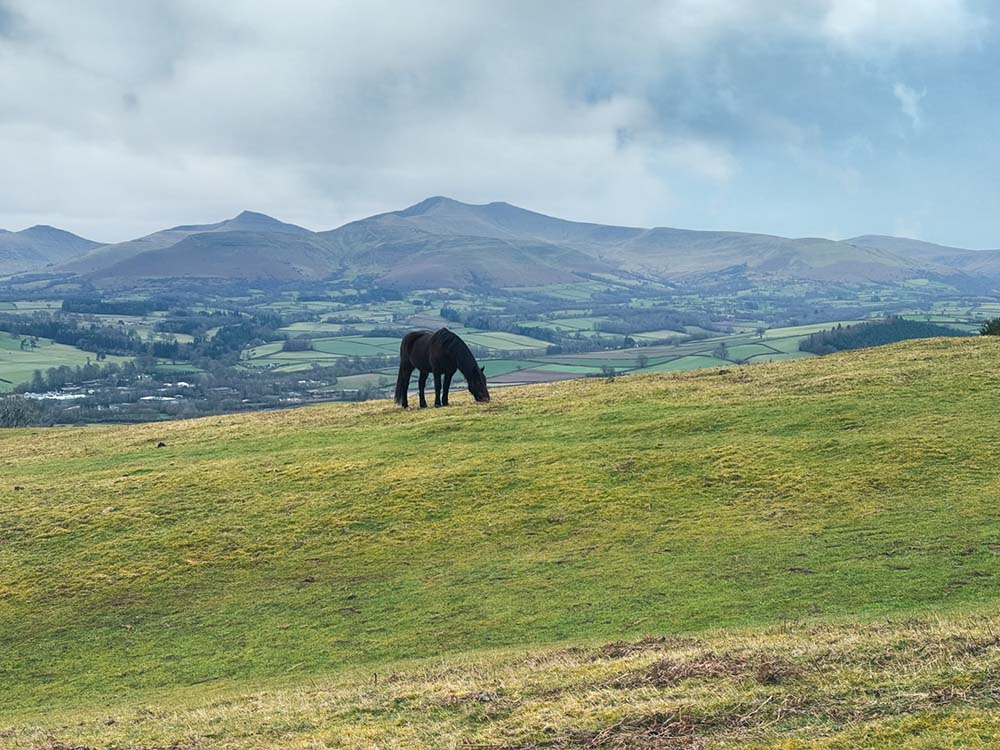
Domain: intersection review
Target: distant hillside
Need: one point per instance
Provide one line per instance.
(231, 254)
(980, 263)
(443, 242)
(910, 248)
(37, 247)
(102, 263)
(974, 263)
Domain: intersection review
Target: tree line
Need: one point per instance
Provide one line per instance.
(873, 333)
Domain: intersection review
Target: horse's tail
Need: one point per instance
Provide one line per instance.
(402, 383)
(405, 371)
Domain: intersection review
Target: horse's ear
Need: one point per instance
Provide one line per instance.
(483, 369)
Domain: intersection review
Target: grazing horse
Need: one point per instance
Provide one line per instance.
(441, 353)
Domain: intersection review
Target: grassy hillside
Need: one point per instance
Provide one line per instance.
(269, 548)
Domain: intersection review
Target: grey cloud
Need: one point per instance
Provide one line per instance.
(122, 117)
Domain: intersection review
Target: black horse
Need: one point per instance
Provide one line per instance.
(442, 353)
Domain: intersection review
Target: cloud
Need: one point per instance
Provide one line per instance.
(122, 117)
(888, 25)
(909, 102)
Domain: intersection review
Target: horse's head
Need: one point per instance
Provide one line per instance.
(477, 385)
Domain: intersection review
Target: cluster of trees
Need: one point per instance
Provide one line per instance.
(17, 411)
(55, 378)
(235, 333)
(990, 327)
(98, 306)
(875, 333)
(91, 337)
(182, 320)
(636, 320)
(298, 344)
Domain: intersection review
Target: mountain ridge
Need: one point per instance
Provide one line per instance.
(441, 241)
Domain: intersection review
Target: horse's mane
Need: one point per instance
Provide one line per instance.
(458, 349)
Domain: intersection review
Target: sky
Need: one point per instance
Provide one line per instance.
(794, 117)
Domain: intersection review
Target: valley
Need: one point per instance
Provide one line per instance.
(258, 313)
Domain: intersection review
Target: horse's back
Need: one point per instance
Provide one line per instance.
(410, 339)
(414, 347)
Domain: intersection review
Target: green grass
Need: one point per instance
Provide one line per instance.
(500, 341)
(663, 333)
(356, 346)
(913, 685)
(495, 367)
(745, 351)
(580, 291)
(577, 369)
(259, 552)
(360, 381)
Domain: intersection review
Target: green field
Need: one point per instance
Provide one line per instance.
(500, 341)
(260, 558)
(17, 365)
(691, 362)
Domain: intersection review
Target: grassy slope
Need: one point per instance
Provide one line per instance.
(274, 546)
(915, 685)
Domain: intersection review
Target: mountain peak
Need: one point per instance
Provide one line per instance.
(254, 215)
(44, 230)
(254, 221)
(430, 204)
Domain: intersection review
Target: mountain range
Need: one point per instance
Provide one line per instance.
(441, 242)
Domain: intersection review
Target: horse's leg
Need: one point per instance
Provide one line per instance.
(444, 390)
(423, 383)
(437, 388)
(403, 385)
